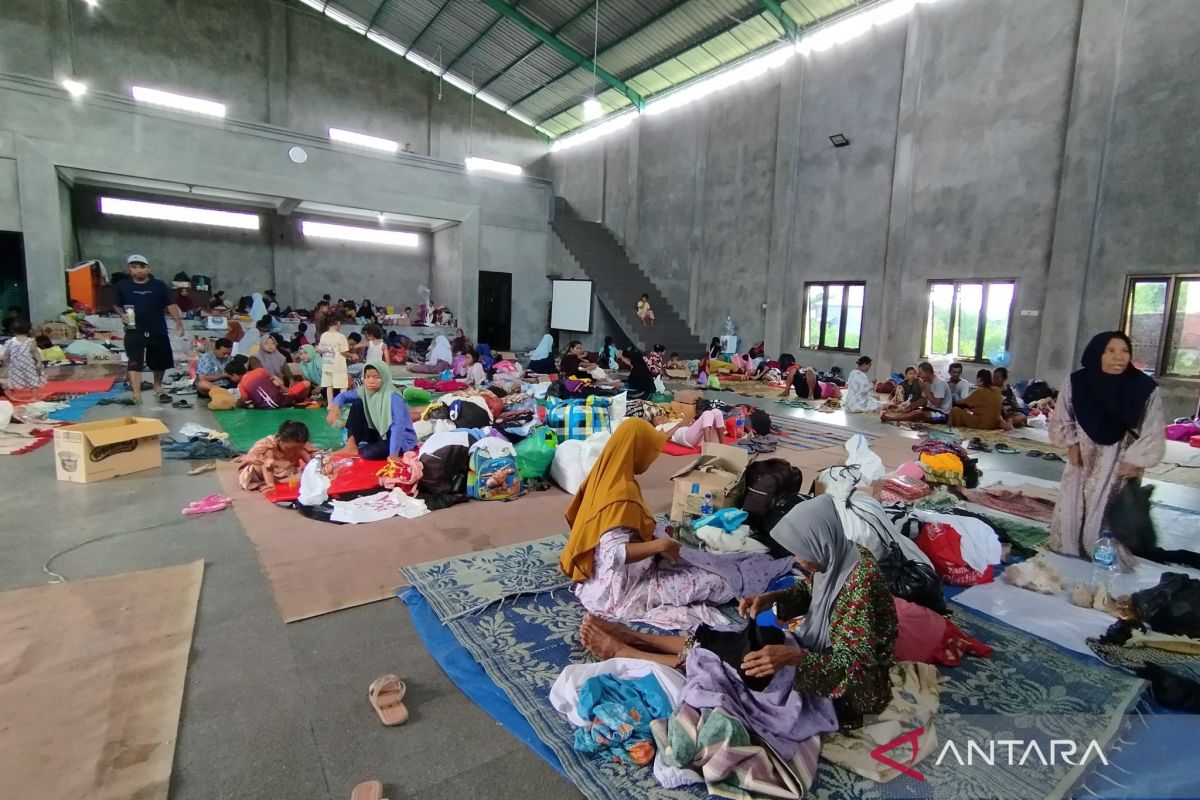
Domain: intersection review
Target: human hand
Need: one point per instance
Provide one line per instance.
(1075, 455)
(669, 549)
(751, 607)
(1130, 471)
(769, 660)
(333, 415)
(179, 330)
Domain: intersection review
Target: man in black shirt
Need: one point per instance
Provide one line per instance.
(141, 302)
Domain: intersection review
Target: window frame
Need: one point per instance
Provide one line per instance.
(1161, 358)
(978, 357)
(846, 286)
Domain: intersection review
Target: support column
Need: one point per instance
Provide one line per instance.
(278, 33)
(780, 299)
(47, 252)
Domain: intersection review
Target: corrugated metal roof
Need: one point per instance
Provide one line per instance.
(651, 45)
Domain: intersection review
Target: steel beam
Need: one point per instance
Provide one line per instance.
(785, 19)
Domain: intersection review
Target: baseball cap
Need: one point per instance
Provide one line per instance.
(138, 258)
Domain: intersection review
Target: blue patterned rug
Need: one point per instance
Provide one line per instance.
(1030, 687)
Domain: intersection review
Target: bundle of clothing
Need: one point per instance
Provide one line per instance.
(946, 463)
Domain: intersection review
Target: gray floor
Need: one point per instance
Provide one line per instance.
(274, 710)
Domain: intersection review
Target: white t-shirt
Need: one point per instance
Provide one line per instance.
(960, 390)
(943, 398)
(377, 351)
(476, 376)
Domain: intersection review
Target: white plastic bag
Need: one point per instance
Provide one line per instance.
(6, 410)
(314, 484)
(567, 467)
(659, 386)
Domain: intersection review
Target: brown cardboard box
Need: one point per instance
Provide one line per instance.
(719, 470)
(679, 374)
(95, 451)
(60, 332)
(685, 410)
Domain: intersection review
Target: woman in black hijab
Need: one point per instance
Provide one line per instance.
(1110, 419)
(640, 379)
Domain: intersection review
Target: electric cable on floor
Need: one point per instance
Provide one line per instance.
(56, 578)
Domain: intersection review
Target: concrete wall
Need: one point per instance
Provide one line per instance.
(286, 75)
(10, 204)
(1051, 143)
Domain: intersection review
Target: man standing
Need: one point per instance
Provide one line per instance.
(143, 302)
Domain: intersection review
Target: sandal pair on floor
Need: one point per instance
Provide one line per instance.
(214, 502)
(386, 695)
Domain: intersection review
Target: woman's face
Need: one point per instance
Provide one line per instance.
(910, 375)
(268, 344)
(372, 382)
(1116, 357)
(865, 366)
(305, 356)
(459, 333)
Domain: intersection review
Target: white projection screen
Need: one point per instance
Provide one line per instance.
(571, 306)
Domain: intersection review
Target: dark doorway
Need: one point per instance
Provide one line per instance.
(495, 309)
(14, 290)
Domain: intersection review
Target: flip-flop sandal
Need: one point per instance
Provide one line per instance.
(1052, 457)
(214, 502)
(182, 404)
(367, 790)
(385, 695)
(1034, 453)
(200, 469)
(164, 398)
(1005, 449)
(978, 445)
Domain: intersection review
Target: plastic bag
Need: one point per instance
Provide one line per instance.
(314, 484)
(6, 411)
(535, 454)
(1128, 515)
(912, 580)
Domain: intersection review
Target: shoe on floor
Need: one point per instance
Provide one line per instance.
(386, 695)
(367, 790)
(1005, 449)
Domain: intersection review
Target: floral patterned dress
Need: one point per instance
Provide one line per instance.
(24, 363)
(265, 455)
(671, 597)
(853, 672)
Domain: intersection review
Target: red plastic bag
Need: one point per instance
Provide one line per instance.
(943, 544)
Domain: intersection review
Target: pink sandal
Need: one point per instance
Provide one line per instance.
(214, 502)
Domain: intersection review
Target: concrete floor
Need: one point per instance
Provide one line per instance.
(275, 710)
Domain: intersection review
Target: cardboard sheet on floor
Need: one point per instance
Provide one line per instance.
(673, 449)
(1051, 616)
(91, 684)
(246, 426)
(314, 568)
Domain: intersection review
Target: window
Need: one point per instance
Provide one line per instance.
(1162, 317)
(968, 319)
(833, 315)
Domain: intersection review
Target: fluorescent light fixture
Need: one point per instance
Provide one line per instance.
(74, 87)
(92, 3)
(179, 102)
(593, 132)
(423, 62)
(517, 115)
(386, 41)
(488, 165)
(363, 140)
(592, 109)
(492, 101)
(319, 5)
(745, 70)
(141, 209)
(845, 28)
(351, 233)
(382, 218)
(454, 80)
(353, 23)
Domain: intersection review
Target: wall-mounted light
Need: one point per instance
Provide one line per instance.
(74, 87)
(363, 140)
(120, 207)
(839, 140)
(352, 233)
(488, 165)
(178, 102)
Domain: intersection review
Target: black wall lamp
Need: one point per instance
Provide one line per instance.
(839, 140)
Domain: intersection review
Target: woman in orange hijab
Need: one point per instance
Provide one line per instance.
(612, 553)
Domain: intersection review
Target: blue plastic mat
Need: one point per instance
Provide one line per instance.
(78, 406)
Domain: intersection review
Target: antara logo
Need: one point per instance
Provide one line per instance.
(1006, 752)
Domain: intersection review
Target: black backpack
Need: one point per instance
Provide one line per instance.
(766, 480)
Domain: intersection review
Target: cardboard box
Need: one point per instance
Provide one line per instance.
(60, 332)
(719, 470)
(688, 396)
(95, 451)
(679, 374)
(685, 410)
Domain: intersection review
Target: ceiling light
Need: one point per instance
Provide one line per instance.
(494, 102)
(382, 218)
(454, 80)
(387, 41)
(487, 164)
(850, 27)
(520, 117)
(423, 62)
(141, 209)
(353, 23)
(592, 109)
(92, 3)
(593, 132)
(350, 233)
(74, 87)
(179, 102)
(319, 5)
(363, 140)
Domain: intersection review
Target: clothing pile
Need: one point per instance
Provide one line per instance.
(946, 463)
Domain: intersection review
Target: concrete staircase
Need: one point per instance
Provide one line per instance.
(618, 282)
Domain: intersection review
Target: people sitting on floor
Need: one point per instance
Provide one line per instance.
(907, 391)
(959, 386)
(804, 381)
(858, 397)
(541, 358)
(309, 364)
(641, 380)
(299, 338)
(26, 374)
(460, 343)
(981, 410)
(272, 357)
(1012, 408)
(759, 438)
(842, 647)
(376, 348)
(610, 358)
(212, 368)
(677, 362)
(261, 390)
(475, 376)
(581, 377)
(654, 361)
(932, 403)
(438, 360)
(612, 554)
(378, 425)
(709, 426)
(275, 459)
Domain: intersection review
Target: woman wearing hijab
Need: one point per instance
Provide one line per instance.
(612, 554)
(641, 382)
(439, 359)
(843, 645)
(1109, 417)
(258, 309)
(981, 410)
(367, 312)
(541, 358)
(378, 425)
(311, 364)
(461, 345)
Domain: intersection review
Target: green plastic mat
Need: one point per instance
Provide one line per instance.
(246, 426)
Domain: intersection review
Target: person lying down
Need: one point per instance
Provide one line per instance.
(842, 643)
(622, 570)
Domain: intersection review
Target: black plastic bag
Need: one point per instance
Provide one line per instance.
(1128, 515)
(910, 580)
(1171, 607)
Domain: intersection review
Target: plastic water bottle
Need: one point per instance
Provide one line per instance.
(741, 426)
(706, 507)
(1104, 559)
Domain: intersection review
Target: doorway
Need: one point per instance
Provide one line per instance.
(495, 309)
(14, 292)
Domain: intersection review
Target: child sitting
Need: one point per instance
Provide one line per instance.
(475, 376)
(277, 458)
(759, 439)
(258, 388)
(24, 358)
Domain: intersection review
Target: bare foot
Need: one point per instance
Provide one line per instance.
(613, 629)
(598, 642)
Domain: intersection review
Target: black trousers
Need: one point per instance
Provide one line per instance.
(371, 446)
